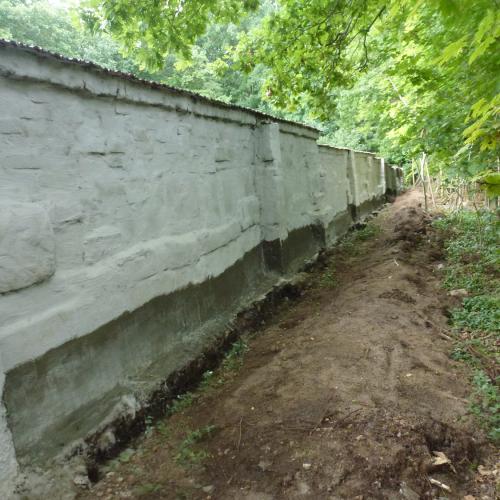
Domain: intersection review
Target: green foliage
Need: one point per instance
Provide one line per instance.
(486, 403)
(489, 181)
(328, 279)
(481, 312)
(38, 22)
(234, 358)
(181, 402)
(150, 30)
(351, 242)
(471, 245)
(398, 77)
(188, 454)
(413, 77)
(306, 44)
(209, 70)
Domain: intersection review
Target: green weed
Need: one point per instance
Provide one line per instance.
(163, 429)
(471, 246)
(350, 243)
(147, 489)
(126, 455)
(207, 380)
(149, 425)
(328, 279)
(369, 231)
(210, 379)
(234, 358)
(481, 312)
(188, 455)
(181, 402)
(486, 403)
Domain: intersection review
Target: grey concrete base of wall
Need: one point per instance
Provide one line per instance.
(288, 256)
(337, 228)
(123, 359)
(367, 207)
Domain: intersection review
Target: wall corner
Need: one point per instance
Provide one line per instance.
(271, 193)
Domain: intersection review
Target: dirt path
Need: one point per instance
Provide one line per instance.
(345, 394)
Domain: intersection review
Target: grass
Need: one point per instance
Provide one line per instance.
(473, 260)
(181, 402)
(232, 362)
(328, 279)
(481, 312)
(350, 243)
(189, 454)
(486, 403)
(234, 358)
(367, 232)
(148, 489)
(471, 245)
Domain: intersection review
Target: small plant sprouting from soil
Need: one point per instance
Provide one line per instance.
(181, 402)
(328, 279)
(207, 380)
(369, 231)
(163, 429)
(188, 454)
(126, 455)
(234, 358)
(232, 361)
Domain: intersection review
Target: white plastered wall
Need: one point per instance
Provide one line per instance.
(113, 193)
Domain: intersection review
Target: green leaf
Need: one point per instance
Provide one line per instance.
(484, 26)
(481, 49)
(452, 50)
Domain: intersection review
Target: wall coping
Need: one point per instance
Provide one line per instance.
(340, 148)
(101, 71)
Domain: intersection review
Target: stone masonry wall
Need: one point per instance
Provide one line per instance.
(135, 220)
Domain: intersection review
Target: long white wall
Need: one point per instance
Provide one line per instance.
(114, 192)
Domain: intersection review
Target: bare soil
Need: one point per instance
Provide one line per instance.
(346, 393)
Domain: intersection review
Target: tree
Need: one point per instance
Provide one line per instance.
(397, 77)
(37, 22)
(150, 29)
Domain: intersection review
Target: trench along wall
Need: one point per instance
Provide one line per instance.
(135, 220)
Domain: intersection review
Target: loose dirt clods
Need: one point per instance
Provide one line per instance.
(348, 392)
